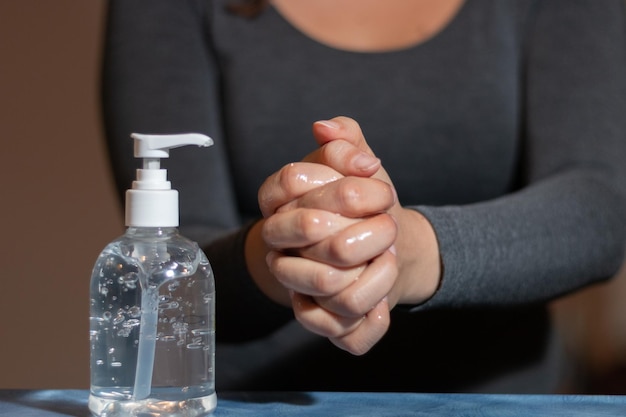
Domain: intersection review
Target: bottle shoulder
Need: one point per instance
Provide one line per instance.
(146, 244)
(157, 257)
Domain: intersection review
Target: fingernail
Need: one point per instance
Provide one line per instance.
(365, 161)
(329, 123)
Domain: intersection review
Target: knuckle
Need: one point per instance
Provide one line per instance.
(349, 122)
(267, 232)
(355, 304)
(288, 176)
(320, 282)
(389, 224)
(329, 150)
(364, 341)
(277, 268)
(336, 151)
(359, 349)
(308, 226)
(388, 192)
(341, 252)
(322, 327)
(350, 193)
(355, 346)
(332, 330)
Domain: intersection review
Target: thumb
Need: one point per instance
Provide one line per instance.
(344, 129)
(340, 127)
(343, 148)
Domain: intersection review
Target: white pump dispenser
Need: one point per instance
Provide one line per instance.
(152, 304)
(152, 202)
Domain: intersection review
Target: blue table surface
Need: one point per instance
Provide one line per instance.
(51, 403)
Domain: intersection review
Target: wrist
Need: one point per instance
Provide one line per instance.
(418, 258)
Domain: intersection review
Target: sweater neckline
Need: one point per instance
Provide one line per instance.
(435, 37)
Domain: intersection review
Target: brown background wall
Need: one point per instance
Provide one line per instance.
(58, 209)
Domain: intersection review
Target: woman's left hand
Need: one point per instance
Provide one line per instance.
(330, 237)
(330, 224)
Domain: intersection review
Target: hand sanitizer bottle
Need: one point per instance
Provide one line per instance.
(152, 325)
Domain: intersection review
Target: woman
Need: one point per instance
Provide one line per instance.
(479, 174)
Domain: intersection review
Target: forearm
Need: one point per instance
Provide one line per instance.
(532, 246)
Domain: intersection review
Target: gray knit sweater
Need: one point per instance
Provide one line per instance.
(507, 130)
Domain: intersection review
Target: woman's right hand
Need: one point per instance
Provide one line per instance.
(330, 232)
(328, 239)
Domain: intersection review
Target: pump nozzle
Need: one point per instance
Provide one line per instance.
(158, 146)
(151, 202)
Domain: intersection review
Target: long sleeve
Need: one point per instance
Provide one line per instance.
(562, 230)
(507, 130)
(566, 227)
(160, 75)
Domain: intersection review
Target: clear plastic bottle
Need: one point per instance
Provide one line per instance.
(152, 324)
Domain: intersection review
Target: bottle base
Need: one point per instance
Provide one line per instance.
(192, 407)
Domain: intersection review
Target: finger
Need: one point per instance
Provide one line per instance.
(310, 277)
(340, 128)
(350, 196)
(292, 181)
(369, 331)
(365, 292)
(346, 158)
(355, 244)
(319, 321)
(302, 227)
(345, 129)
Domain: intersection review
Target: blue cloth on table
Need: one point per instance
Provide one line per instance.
(55, 403)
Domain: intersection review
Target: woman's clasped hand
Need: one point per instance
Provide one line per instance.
(340, 243)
